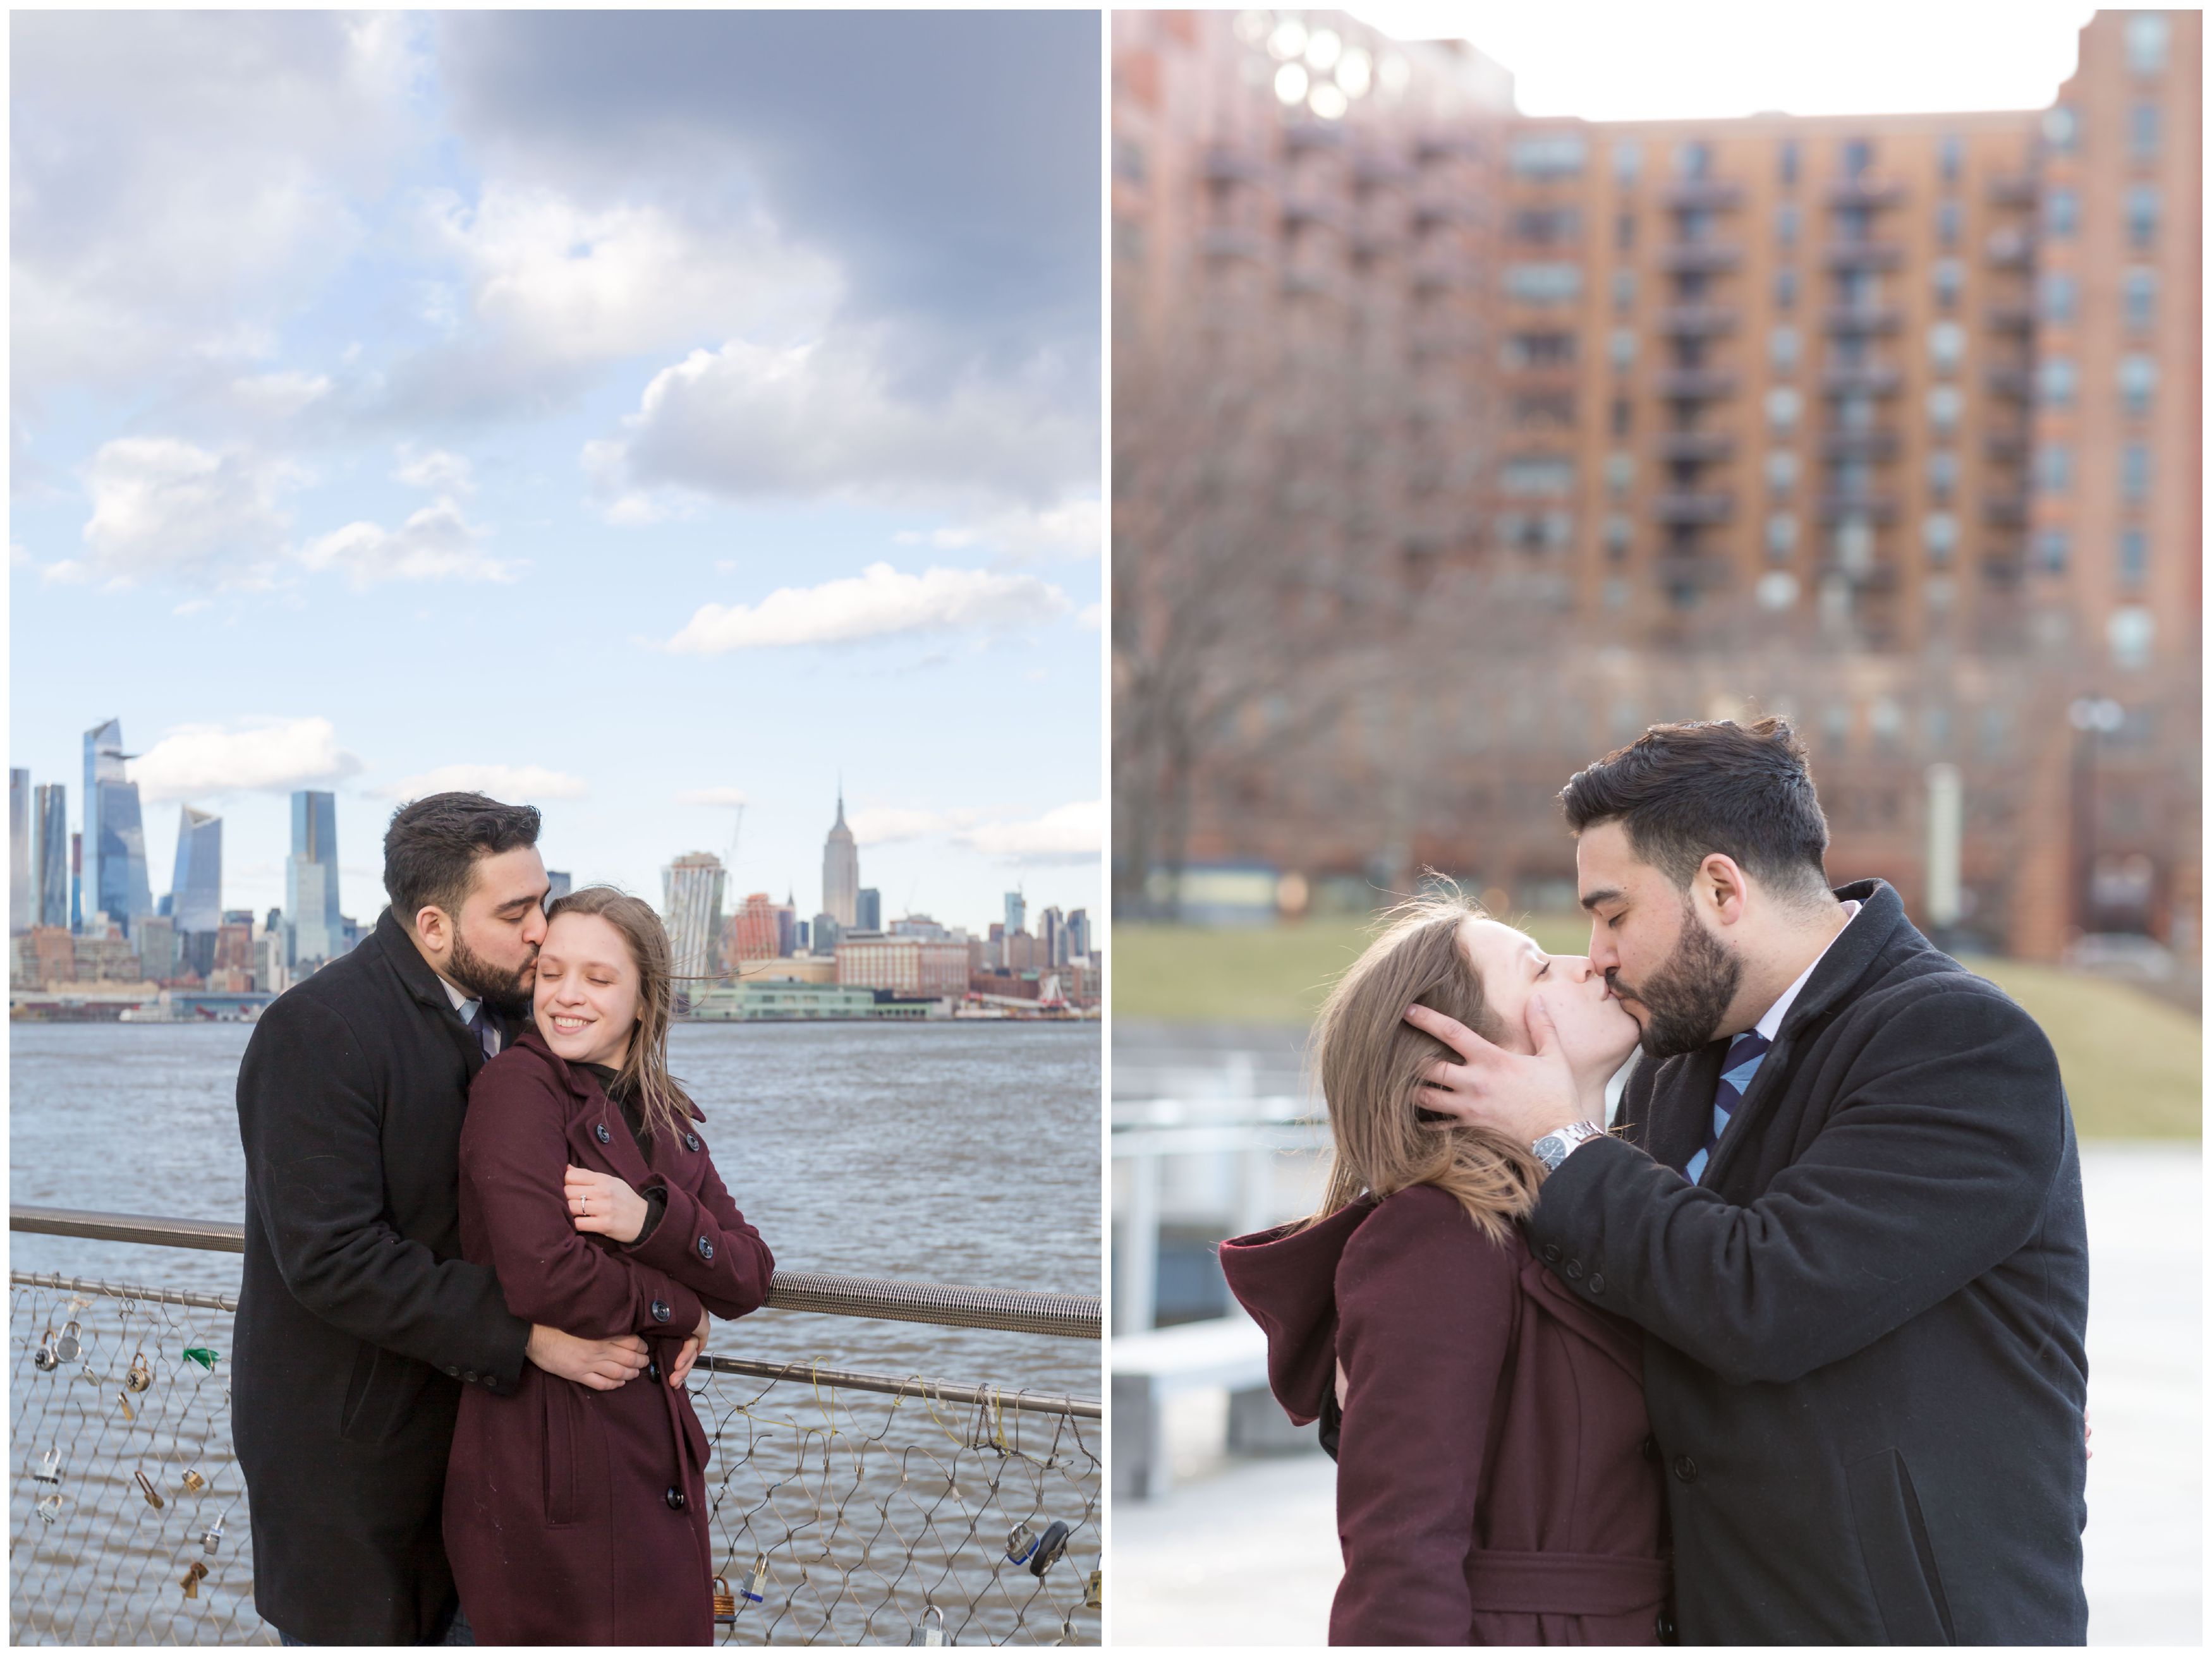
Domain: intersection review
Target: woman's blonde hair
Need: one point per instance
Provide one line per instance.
(1370, 1061)
(664, 1105)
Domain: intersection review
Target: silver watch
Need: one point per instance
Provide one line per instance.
(1552, 1148)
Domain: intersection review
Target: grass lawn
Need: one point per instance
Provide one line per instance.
(2133, 1064)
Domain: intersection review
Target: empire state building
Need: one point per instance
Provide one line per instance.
(841, 871)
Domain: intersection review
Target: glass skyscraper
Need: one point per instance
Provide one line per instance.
(314, 929)
(50, 853)
(21, 916)
(114, 833)
(196, 889)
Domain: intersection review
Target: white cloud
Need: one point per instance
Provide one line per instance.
(439, 470)
(510, 783)
(878, 603)
(164, 506)
(752, 421)
(280, 395)
(261, 755)
(1070, 833)
(727, 798)
(436, 543)
(1072, 530)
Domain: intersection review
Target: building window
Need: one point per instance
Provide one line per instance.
(1782, 347)
(2058, 292)
(1540, 350)
(1858, 155)
(1944, 404)
(1693, 159)
(1835, 725)
(1946, 344)
(1128, 240)
(1942, 474)
(2062, 129)
(1543, 284)
(1953, 156)
(1854, 223)
(2142, 213)
(2139, 295)
(1855, 413)
(1789, 160)
(1624, 291)
(1129, 160)
(2135, 473)
(1553, 155)
(2051, 551)
(1620, 472)
(1620, 416)
(1950, 276)
(1785, 224)
(1781, 536)
(2128, 631)
(2054, 468)
(1939, 536)
(1781, 471)
(2143, 132)
(1621, 347)
(1627, 160)
(2062, 214)
(1696, 225)
(2055, 380)
(1539, 475)
(1624, 232)
(2146, 37)
(1947, 223)
(1617, 534)
(2134, 556)
(2138, 379)
(1783, 407)
(1786, 290)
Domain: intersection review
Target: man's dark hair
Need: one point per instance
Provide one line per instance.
(1684, 791)
(430, 850)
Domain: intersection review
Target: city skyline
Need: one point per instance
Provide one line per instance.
(416, 389)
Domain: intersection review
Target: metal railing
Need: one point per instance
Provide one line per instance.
(847, 1507)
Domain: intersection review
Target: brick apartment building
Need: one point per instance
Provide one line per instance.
(1453, 447)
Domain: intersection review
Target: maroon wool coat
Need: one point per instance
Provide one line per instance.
(1494, 1482)
(575, 1516)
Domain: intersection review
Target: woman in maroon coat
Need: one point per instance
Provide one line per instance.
(1494, 1479)
(576, 1515)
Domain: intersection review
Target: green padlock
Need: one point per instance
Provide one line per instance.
(202, 1356)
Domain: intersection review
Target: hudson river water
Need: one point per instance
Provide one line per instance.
(951, 1152)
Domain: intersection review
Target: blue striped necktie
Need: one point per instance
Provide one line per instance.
(1744, 1054)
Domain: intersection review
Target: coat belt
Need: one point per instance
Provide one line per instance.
(1565, 1583)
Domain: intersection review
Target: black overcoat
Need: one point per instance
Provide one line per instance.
(1867, 1377)
(358, 1322)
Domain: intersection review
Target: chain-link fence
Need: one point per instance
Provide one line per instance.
(847, 1508)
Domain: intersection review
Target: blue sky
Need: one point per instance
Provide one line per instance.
(628, 413)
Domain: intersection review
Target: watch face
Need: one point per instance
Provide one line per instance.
(1550, 1148)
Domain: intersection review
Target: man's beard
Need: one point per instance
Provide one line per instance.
(507, 994)
(1685, 1000)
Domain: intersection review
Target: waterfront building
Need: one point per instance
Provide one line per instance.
(841, 871)
(790, 930)
(1018, 911)
(1078, 934)
(1020, 952)
(316, 928)
(754, 932)
(868, 910)
(691, 908)
(114, 831)
(196, 887)
(825, 933)
(155, 941)
(919, 925)
(797, 968)
(558, 885)
(1890, 423)
(905, 966)
(781, 1001)
(1052, 937)
(49, 854)
(22, 909)
(802, 937)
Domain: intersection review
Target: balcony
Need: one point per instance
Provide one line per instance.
(1865, 193)
(1691, 448)
(1693, 509)
(1694, 384)
(1313, 135)
(1867, 378)
(1874, 575)
(1372, 244)
(1697, 321)
(1875, 446)
(2010, 250)
(1306, 283)
(1447, 146)
(2013, 190)
(2005, 511)
(1862, 256)
(1438, 275)
(2010, 318)
(1372, 170)
(2015, 383)
(1432, 212)
(2008, 447)
(1864, 504)
(1713, 193)
(1231, 166)
(1688, 256)
(1299, 211)
(1228, 241)
(1861, 319)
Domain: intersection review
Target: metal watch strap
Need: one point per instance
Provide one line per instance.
(1553, 1147)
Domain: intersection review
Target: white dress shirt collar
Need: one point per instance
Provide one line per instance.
(1771, 1025)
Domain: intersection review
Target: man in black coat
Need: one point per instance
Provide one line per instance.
(358, 1320)
(1846, 1203)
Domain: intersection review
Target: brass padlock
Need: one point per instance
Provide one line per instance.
(755, 1593)
(193, 1577)
(211, 1542)
(141, 1376)
(67, 1347)
(128, 1413)
(1093, 1591)
(726, 1602)
(193, 1482)
(153, 1496)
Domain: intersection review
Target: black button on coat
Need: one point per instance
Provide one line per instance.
(1867, 1319)
(356, 1312)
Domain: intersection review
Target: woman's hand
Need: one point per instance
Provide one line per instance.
(602, 1204)
(694, 1343)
